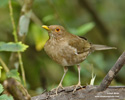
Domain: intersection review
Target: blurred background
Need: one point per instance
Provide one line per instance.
(100, 21)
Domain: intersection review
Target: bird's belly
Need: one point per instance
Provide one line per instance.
(70, 60)
(64, 56)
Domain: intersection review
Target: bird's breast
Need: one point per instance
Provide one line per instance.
(63, 54)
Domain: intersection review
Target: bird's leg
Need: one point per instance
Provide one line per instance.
(60, 84)
(79, 81)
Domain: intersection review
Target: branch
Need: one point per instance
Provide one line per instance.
(16, 89)
(13, 22)
(83, 94)
(96, 18)
(112, 73)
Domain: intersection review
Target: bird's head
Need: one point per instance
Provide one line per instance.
(55, 31)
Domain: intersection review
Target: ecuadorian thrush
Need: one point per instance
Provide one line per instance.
(68, 49)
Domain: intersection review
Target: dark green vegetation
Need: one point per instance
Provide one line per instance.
(41, 72)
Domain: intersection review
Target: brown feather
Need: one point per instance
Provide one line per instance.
(100, 47)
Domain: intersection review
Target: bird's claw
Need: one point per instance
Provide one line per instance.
(56, 89)
(78, 85)
(59, 86)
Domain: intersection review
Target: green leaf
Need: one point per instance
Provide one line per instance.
(1, 89)
(3, 3)
(5, 97)
(82, 30)
(48, 18)
(14, 74)
(13, 47)
(39, 35)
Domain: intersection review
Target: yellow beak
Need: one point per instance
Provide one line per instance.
(46, 27)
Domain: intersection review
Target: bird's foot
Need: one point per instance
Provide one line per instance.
(76, 86)
(57, 88)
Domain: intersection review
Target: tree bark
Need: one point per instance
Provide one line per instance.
(83, 94)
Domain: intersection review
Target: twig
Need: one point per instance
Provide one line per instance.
(16, 40)
(22, 68)
(4, 65)
(13, 23)
(112, 73)
(95, 16)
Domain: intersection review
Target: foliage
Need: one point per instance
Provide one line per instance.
(48, 18)
(39, 36)
(4, 96)
(13, 74)
(13, 47)
(83, 29)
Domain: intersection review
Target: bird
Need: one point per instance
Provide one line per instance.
(68, 49)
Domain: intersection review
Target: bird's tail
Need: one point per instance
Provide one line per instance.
(100, 47)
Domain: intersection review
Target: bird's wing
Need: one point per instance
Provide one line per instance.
(80, 44)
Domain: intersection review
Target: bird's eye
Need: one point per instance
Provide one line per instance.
(57, 30)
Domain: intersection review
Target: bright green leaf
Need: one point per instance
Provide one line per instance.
(13, 47)
(13, 74)
(48, 18)
(82, 30)
(1, 89)
(40, 36)
(5, 97)
(3, 3)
